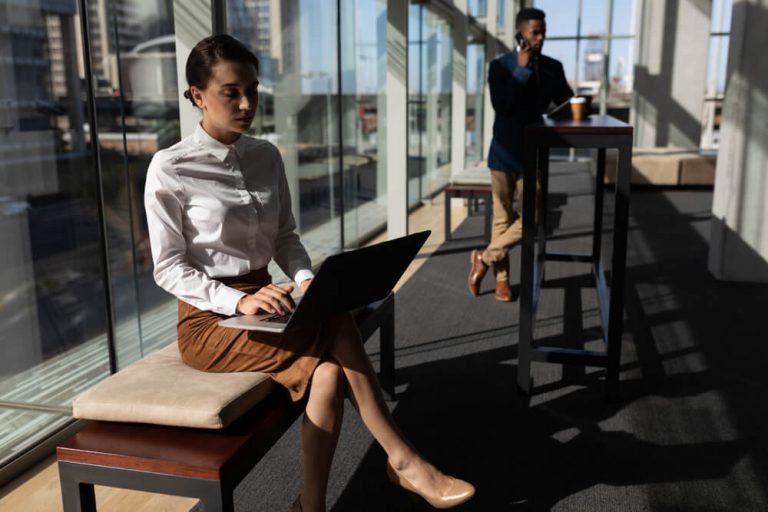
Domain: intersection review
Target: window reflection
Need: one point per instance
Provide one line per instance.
(429, 103)
(53, 320)
(474, 116)
(295, 41)
(363, 71)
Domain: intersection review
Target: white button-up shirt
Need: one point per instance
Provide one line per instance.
(215, 210)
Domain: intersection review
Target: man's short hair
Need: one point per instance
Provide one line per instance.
(528, 14)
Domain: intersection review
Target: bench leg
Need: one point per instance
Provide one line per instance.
(387, 344)
(215, 499)
(448, 197)
(75, 496)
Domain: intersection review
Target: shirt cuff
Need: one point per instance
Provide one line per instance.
(226, 301)
(303, 275)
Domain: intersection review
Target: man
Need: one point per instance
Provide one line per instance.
(522, 83)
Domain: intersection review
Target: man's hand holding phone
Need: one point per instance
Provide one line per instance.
(524, 51)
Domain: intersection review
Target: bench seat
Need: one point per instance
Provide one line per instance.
(162, 390)
(472, 184)
(163, 427)
(668, 166)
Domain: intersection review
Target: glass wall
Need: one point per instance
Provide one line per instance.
(430, 72)
(57, 284)
(298, 107)
(320, 107)
(717, 64)
(474, 115)
(577, 35)
(134, 63)
(363, 74)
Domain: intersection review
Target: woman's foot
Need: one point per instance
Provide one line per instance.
(425, 480)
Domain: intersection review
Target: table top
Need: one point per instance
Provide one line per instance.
(592, 125)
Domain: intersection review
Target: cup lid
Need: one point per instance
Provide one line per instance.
(578, 99)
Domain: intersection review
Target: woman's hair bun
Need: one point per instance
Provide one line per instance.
(188, 95)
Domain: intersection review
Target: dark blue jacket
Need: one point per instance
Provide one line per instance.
(517, 101)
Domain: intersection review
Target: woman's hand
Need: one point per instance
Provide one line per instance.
(271, 299)
(304, 285)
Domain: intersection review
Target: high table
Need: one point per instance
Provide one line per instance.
(598, 132)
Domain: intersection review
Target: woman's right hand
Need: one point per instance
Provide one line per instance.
(270, 299)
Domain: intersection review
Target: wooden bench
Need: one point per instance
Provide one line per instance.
(201, 463)
(472, 184)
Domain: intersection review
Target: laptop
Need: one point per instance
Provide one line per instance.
(343, 282)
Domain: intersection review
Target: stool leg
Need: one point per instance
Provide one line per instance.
(448, 197)
(75, 496)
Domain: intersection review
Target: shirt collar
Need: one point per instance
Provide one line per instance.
(216, 148)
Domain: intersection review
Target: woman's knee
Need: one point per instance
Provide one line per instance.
(328, 380)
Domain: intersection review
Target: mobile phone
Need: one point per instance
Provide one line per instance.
(521, 41)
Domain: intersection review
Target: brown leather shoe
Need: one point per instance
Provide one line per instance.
(477, 272)
(503, 291)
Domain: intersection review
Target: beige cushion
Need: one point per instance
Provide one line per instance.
(664, 166)
(698, 170)
(161, 389)
(472, 176)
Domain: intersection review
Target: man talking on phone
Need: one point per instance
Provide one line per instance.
(523, 83)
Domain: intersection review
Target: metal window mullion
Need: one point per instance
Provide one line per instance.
(339, 114)
(218, 17)
(130, 198)
(91, 101)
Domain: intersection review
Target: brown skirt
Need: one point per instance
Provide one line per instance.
(290, 359)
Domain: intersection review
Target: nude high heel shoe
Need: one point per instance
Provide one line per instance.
(459, 492)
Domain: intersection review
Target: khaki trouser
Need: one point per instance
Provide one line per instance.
(507, 228)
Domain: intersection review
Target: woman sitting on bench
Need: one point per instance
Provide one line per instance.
(218, 209)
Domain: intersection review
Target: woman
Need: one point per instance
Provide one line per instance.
(218, 210)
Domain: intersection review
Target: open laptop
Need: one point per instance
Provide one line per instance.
(343, 282)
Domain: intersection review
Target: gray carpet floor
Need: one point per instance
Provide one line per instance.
(688, 434)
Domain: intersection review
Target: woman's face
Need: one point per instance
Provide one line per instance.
(229, 100)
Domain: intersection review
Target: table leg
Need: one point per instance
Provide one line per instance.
(542, 207)
(598, 221)
(527, 270)
(618, 267)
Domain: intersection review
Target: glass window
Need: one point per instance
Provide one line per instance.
(363, 66)
(429, 114)
(579, 44)
(593, 17)
(474, 116)
(623, 22)
(562, 17)
(54, 329)
(478, 7)
(55, 343)
(137, 115)
(298, 108)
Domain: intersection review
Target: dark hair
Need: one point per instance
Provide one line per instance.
(528, 14)
(209, 52)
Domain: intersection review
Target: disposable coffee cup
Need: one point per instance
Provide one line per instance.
(578, 108)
